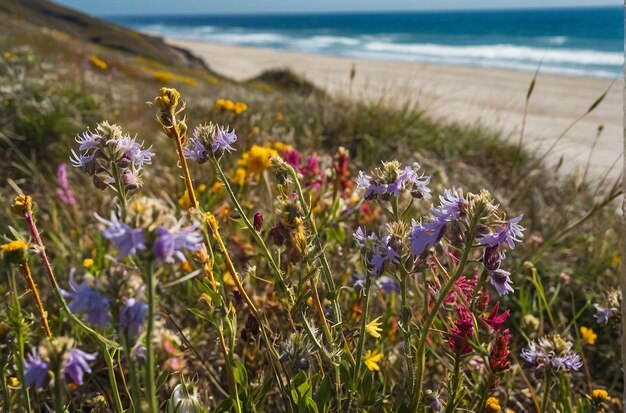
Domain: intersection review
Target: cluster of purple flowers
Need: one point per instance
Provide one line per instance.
(209, 139)
(424, 236)
(390, 181)
(551, 352)
(101, 152)
(169, 242)
(505, 236)
(377, 250)
(75, 365)
(384, 283)
(89, 301)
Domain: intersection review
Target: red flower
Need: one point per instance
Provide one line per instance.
(499, 354)
(495, 320)
(341, 169)
(461, 332)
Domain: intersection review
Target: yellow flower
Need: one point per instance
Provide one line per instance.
(588, 335)
(184, 202)
(240, 176)
(201, 188)
(371, 360)
(240, 107)
(22, 205)
(88, 263)
(13, 382)
(492, 405)
(228, 280)
(13, 247)
(599, 395)
(7, 55)
(373, 328)
(217, 186)
(97, 62)
(257, 159)
(281, 148)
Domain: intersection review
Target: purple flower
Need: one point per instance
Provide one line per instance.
(195, 150)
(127, 240)
(171, 243)
(372, 188)
(64, 191)
(35, 370)
(132, 317)
(132, 151)
(551, 352)
(84, 299)
(422, 237)
(258, 220)
(388, 285)
(293, 158)
(81, 161)
(602, 314)
(77, 364)
(501, 281)
(506, 235)
(378, 250)
(222, 140)
(88, 141)
(451, 204)
(406, 179)
(358, 282)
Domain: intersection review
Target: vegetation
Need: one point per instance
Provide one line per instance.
(200, 266)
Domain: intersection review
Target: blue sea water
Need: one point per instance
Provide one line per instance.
(581, 42)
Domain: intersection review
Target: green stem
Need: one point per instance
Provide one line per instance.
(119, 189)
(108, 358)
(546, 392)
(135, 388)
(362, 333)
(421, 345)
(20, 342)
(149, 368)
(405, 314)
(454, 384)
(58, 392)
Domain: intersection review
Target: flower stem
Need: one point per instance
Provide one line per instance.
(17, 309)
(361, 342)
(421, 344)
(150, 281)
(28, 277)
(454, 384)
(108, 358)
(134, 380)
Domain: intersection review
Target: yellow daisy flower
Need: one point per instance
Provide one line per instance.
(492, 405)
(588, 335)
(371, 360)
(373, 328)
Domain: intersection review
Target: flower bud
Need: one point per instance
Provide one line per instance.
(22, 205)
(258, 220)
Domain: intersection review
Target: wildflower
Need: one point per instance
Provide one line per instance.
(84, 299)
(257, 159)
(293, 158)
(424, 236)
(389, 180)
(372, 358)
(13, 382)
(88, 141)
(492, 405)
(551, 352)
(14, 251)
(239, 108)
(341, 169)
(588, 335)
(209, 138)
(499, 353)
(460, 333)
(22, 205)
(77, 364)
(131, 151)
(314, 178)
(506, 235)
(599, 395)
(495, 320)
(132, 317)
(35, 370)
(64, 191)
(258, 220)
(88, 263)
(373, 328)
(185, 399)
(501, 281)
(602, 314)
(171, 243)
(379, 252)
(388, 285)
(358, 282)
(127, 240)
(97, 62)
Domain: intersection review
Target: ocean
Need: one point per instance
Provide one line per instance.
(577, 42)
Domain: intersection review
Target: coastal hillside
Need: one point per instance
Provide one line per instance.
(176, 237)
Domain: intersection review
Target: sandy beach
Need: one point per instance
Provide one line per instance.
(491, 97)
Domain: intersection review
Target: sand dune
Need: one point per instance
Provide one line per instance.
(488, 96)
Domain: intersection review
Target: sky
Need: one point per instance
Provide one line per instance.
(120, 7)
